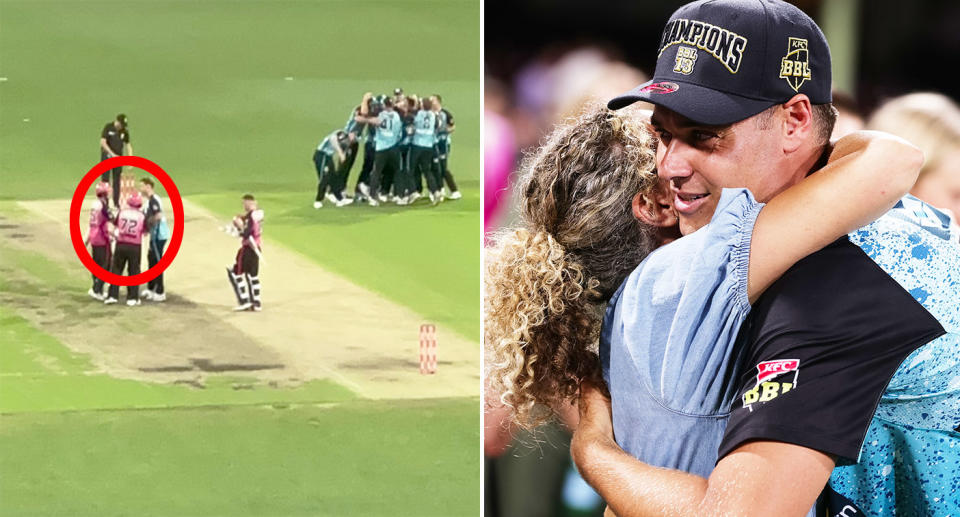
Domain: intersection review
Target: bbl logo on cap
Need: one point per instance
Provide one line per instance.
(795, 66)
(686, 58)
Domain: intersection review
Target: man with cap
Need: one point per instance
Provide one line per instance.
(130, 226)
(114, 137)
(742, 96)
(398, 96)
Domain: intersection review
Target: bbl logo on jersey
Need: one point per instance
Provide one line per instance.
(767, 388)
(795, 66)
(686, 58)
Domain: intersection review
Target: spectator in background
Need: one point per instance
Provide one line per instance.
(557, 84)
(849, 118)
(499, 153)
(931, 121)
(586, 75)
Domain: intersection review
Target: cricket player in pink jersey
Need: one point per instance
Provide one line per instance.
(99, 236)
(130, 229)
(244, 274)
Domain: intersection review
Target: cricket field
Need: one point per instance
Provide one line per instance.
(314, 406)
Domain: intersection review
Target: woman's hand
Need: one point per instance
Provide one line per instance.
(596, 424)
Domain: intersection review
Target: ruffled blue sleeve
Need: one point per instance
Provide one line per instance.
(682, 309)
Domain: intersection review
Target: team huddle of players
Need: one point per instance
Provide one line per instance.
(125, 226)
(407, 144)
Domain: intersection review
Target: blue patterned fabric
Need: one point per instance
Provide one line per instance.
(910, 461)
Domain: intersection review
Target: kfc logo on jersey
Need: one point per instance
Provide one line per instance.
(768, 389)
(769, 369)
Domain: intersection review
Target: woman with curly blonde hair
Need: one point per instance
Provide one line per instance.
(547, 281)
(592, 211)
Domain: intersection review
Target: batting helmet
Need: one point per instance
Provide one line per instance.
(103, 188)
(135, 201)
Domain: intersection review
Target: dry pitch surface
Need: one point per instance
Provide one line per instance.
(315, 325)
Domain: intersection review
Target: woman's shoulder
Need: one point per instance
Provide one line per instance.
(716, 244)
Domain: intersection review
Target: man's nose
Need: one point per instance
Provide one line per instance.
(673, 162)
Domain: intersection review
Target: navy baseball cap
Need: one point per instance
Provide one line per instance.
(722, 61)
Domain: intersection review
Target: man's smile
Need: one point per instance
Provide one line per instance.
(688, 202)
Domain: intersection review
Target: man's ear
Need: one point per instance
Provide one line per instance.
(798, 124)
(654, 209)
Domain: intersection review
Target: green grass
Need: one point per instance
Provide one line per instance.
(37, 373)
(245, 461)
(203, 84)
(72, 442)
(423, 257)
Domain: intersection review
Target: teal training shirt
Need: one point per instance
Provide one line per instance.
(326, 145)
(352, 125)
(425, 129)
(389, 130)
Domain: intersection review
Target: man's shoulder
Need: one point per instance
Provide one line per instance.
(918, 247)
(910, 221)
(838, 294)
(839, 276)
(835, 327)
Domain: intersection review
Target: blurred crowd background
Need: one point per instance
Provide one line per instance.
(893, 64)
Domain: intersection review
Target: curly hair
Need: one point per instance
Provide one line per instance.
(546, 283)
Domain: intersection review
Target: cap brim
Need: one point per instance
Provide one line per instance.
(695, 102)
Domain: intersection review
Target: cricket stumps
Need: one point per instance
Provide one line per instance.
(428, 348)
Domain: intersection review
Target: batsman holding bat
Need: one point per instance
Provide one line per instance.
(244, 274)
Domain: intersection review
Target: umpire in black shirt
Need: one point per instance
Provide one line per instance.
(112, 139)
